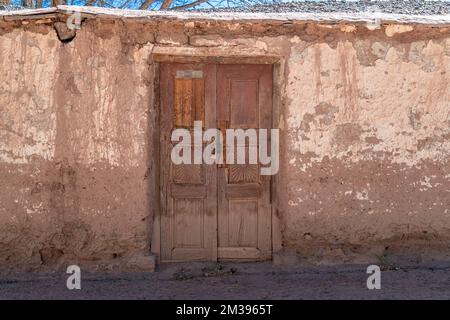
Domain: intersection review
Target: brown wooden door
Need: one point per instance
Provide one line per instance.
(244, 100)
(188, 191)
(211, 212)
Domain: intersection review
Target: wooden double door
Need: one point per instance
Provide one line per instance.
(213, 212)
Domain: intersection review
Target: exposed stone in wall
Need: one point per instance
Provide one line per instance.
(64, 33)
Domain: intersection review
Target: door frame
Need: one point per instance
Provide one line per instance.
(277, 63)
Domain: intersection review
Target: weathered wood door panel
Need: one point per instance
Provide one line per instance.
(188, 191)
(211, 212)
(244, 100)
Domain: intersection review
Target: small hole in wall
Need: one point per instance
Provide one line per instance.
(114, 255)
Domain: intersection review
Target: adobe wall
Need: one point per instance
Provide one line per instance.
(365, 128)
(76, 162)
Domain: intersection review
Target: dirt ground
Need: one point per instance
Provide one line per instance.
(237, 281)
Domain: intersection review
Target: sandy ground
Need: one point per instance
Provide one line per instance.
(237, 281)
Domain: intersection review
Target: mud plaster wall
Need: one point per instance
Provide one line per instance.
(364, 119)
(74, 148)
